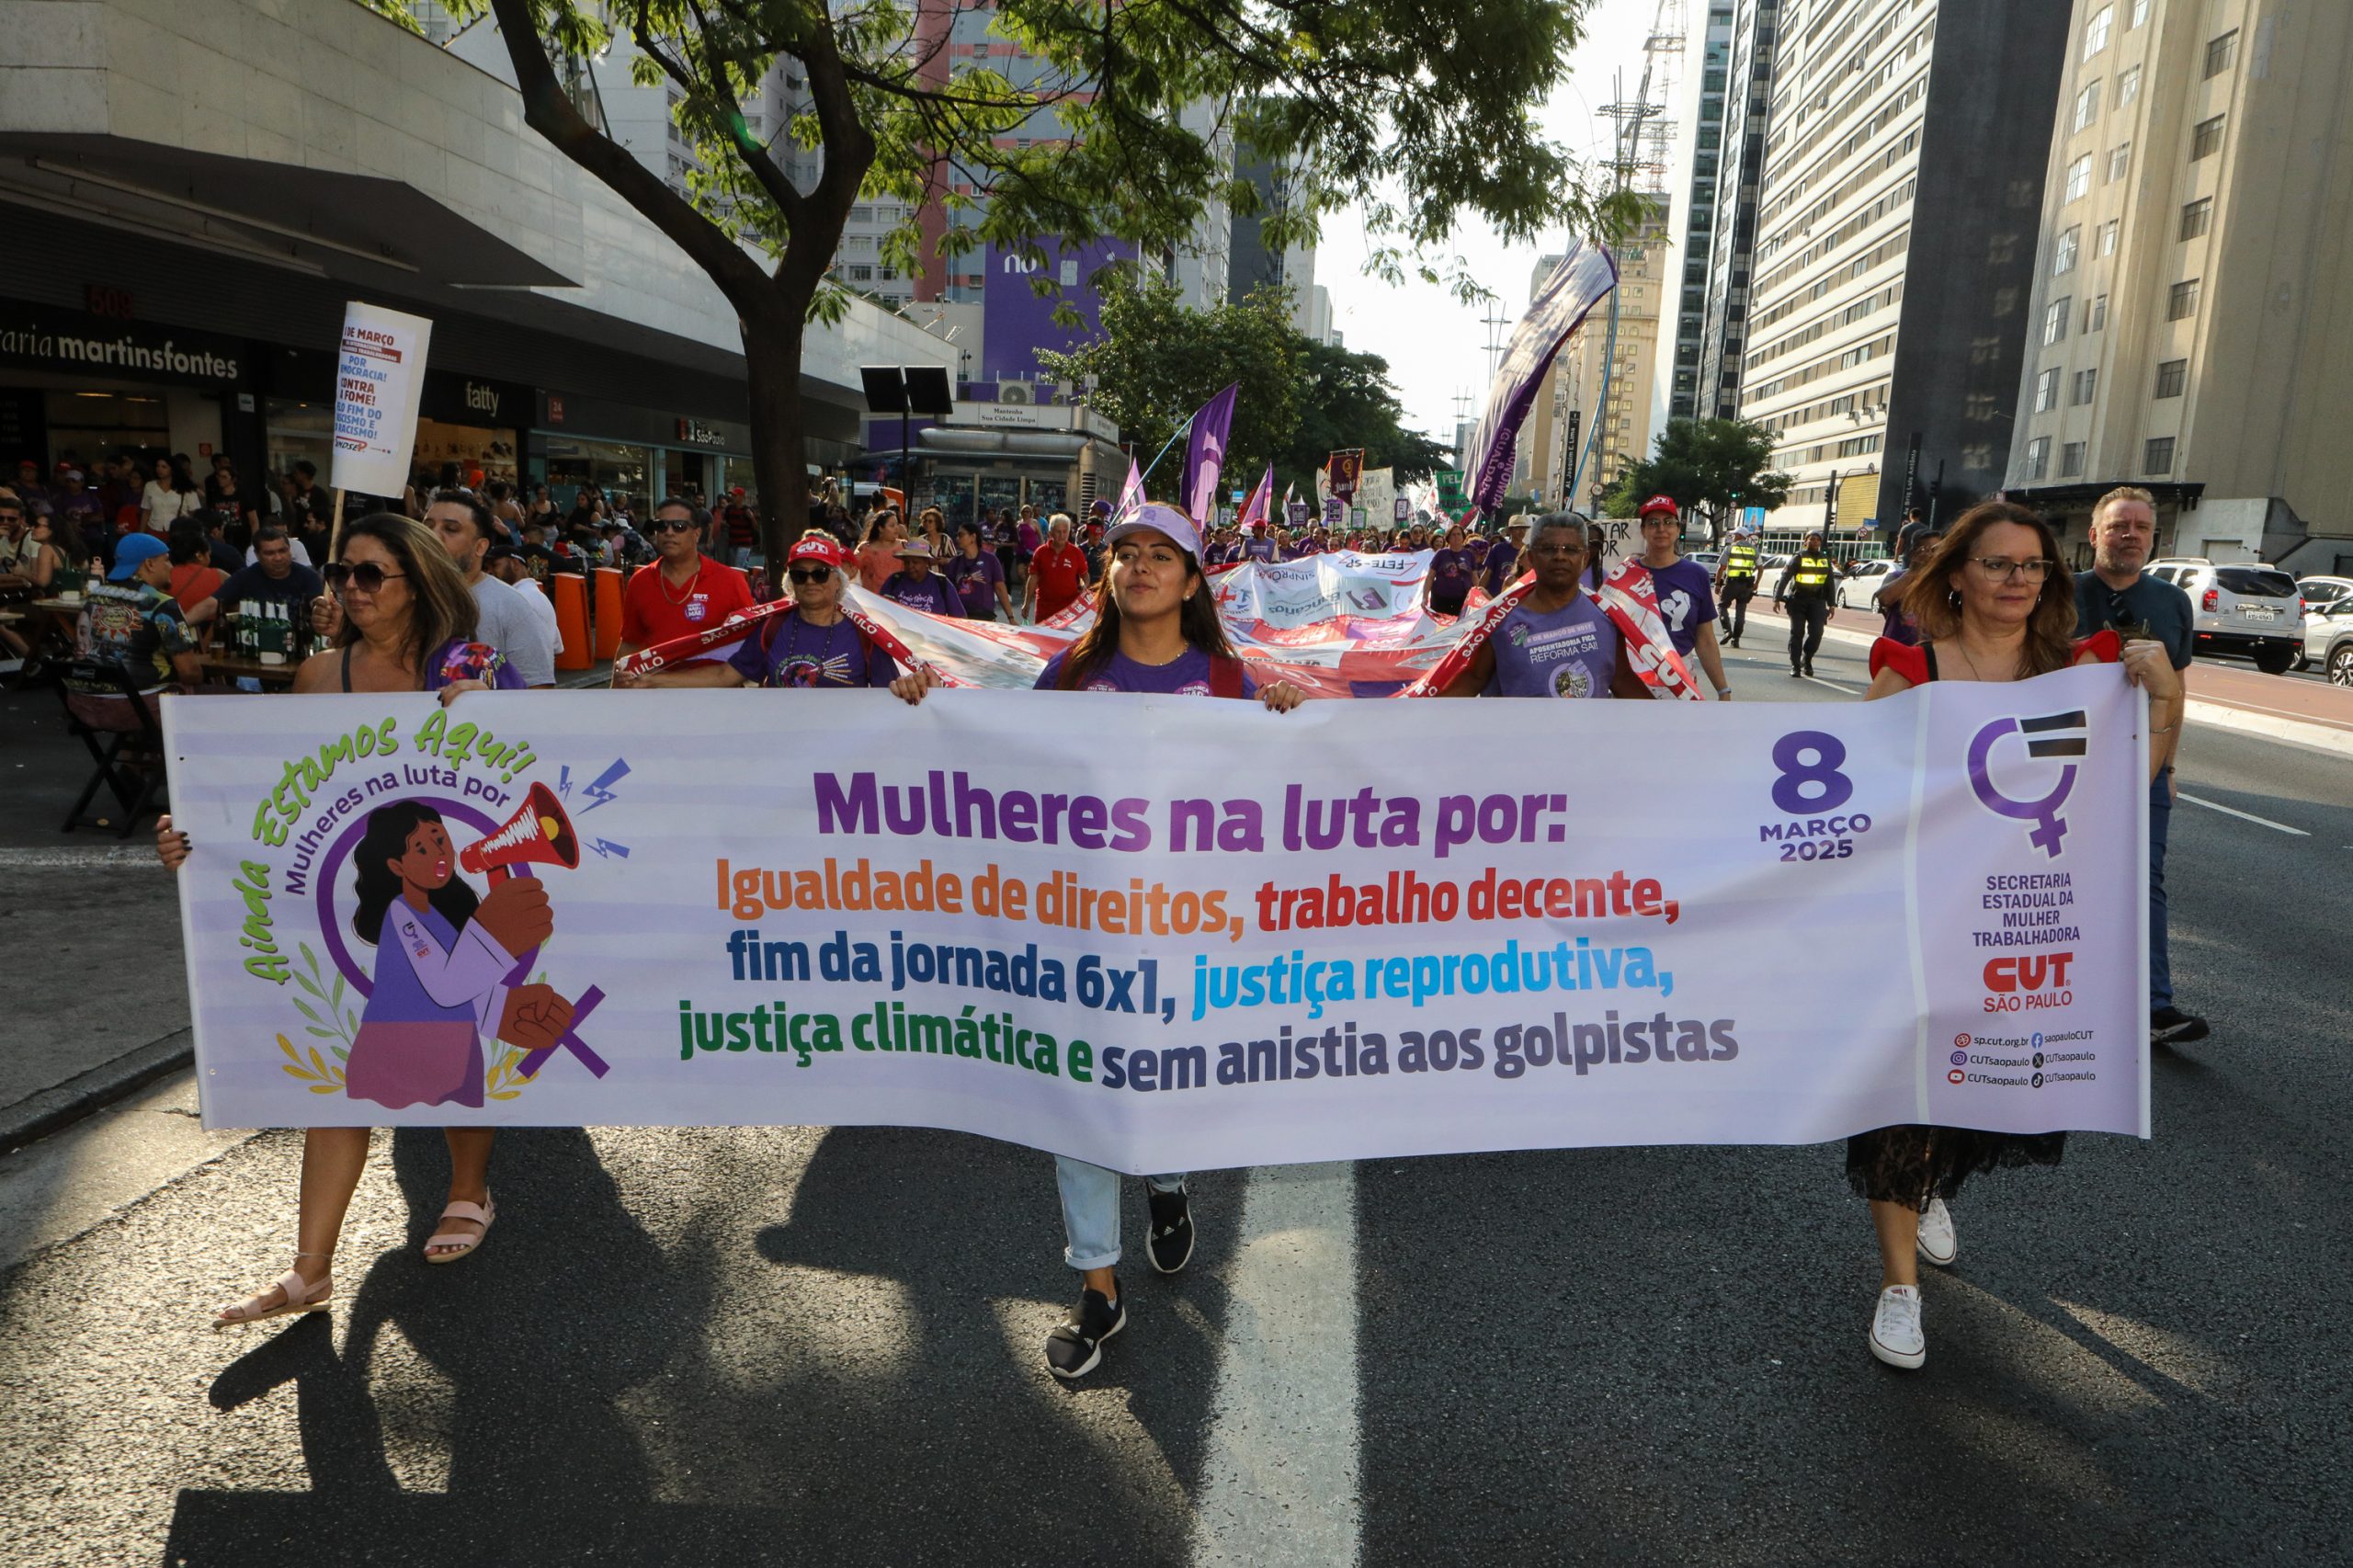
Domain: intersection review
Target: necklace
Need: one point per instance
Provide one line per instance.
(1974, 673)
(663, 577)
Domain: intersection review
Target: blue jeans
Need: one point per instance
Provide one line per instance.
(2160, 820)
(1091, 1211)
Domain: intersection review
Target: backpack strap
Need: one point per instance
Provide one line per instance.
(1226, 675)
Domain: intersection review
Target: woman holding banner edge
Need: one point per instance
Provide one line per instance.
(1993, 604)
(408, 625)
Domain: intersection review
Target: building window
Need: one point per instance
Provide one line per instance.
(2108, 236)
(2037, 457)
(2220, 52)
(2128, 86)
(2086, 106)
(2079, 178)
(2095, 30)
(862, 275)
(2062, 255)
(2157, 456)
(2054, 321)
(2087, 383)
(2207, 140)
(2070, 461)
(2182, 301)
(2198, 217)
(2119, 160)
(2171, 377)
(2140, 14)
(2095, 313)
(2046, 391)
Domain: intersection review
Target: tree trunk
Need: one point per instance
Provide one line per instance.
(772, 339)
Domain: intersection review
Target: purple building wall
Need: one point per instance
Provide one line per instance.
(1016, 322)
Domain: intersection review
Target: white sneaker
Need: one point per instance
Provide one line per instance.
(1896, 1336)
(1937, 1242)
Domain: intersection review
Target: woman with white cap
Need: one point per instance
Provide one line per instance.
(1155, 630)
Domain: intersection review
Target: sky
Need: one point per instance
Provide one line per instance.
(1436, 346)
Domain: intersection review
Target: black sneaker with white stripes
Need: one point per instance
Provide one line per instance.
(1171, 1244)
(1076, 1347)
(2171, 1025)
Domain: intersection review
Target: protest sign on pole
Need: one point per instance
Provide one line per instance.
(379, 375)
(1217, 936)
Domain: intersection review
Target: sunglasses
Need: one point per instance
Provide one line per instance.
(810, 573)
(368, 577)
(669, 525)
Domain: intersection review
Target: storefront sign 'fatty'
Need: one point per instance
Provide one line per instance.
(379, 373)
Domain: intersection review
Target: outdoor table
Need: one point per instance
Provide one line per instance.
(229, 669)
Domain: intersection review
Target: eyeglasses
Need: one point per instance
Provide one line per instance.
(670, 526)
(368, 577)
(2002, 571)
(810, 573)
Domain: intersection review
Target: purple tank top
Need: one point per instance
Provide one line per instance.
(1572, 651)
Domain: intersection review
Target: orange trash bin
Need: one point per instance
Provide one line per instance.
(571, 596)
(608, 612)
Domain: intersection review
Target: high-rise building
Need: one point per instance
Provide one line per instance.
(1723, 269)
(1902, 174)
(1614, 410)
(1252, 265)
(1695, 197)
(2188, 327)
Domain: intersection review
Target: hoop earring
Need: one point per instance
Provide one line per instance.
(1953, 598)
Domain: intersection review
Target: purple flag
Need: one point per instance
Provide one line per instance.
(1205, 455)
(1130, 494)
(1582, 280)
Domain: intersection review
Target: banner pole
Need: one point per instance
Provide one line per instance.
(334, 529)
(1166, 445)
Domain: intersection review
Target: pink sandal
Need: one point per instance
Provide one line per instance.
(300, 1296)
(482, 1213)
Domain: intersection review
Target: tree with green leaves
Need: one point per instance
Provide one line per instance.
(1412, 117)
(1157, 362)
(1346, 399)
(1708, 466)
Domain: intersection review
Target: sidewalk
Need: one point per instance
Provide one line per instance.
(2227, 696)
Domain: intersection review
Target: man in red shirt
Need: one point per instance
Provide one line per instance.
(684, 592)
(742, 527)
(1056, 573)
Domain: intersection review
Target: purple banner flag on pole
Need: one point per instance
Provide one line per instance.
(1130, 494)
(1205, 455)
(1582, 280)
(1254, 509)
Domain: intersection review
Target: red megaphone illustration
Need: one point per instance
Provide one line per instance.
(538, 833)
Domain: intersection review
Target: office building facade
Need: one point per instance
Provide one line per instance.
(1901, 182)
(2192, 302)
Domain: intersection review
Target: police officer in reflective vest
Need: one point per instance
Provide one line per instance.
(1806, 583)
(1736, 584)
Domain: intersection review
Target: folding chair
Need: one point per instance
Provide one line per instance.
(129, 724)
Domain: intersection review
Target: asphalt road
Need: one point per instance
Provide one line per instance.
(785, 1346)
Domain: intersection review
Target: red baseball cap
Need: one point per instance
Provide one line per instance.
(816, 547)
(1660, 504)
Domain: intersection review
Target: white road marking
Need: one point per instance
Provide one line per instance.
(1279, 1483)
(1835, 685)
(2243, 816)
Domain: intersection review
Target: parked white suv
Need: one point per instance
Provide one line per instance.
(2246, 609)
(2322, 594)
(1854, 590)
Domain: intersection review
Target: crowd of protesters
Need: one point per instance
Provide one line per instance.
(415, 605)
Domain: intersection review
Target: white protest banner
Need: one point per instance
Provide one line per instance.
(379, 374)
(1164, 934)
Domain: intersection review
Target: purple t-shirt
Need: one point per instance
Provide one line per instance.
(932, 591)
(1571, 651)
(1450, 577)
(1502, 566)
(796, 655)
(976, 582)
(1186, 676)
(1027, 536)
(1686, 602)
(1256, 549)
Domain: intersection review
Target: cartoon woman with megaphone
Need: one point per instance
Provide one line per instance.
(442, 959)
